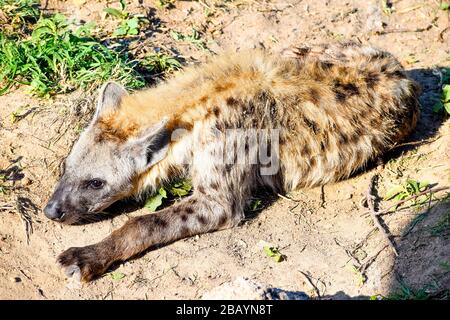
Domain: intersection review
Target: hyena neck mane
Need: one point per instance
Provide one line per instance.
(193, 96)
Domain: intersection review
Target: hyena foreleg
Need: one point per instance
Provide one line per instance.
(200, 213)
(221, 190)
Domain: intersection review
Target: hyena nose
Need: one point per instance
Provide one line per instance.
(53, 211)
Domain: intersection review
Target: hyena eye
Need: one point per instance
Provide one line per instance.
(96, 183)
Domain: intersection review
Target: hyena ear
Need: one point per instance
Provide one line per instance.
(109, 98)
(150, 147)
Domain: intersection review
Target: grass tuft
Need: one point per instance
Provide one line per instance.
(16, 16)
(56, 59)
(159, 63)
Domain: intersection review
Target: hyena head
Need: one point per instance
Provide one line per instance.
(100, 171)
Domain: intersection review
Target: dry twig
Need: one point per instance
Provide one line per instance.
(287, 198)
(313, 286)
(363, 267)
(403, 30)
(370, 199)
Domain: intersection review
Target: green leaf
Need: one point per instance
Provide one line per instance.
(360, 277)
(120, 31)
(178, 36)
(422, 199)
(395, 190)
(414, 186)
(446, 93)
(114, 12)
(444, 5)
(256, 205)
(117, 275)
(273, 252)
(447, 107)
(41, 31)
(401, 196)
(133, 23)
(423, 185)
(155, 201)
(133, 31)
(181, 189)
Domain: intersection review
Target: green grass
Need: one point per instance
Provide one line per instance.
(274, 253)
(161, 63)
(195, 38)
(409, 188)
(428, 291)
(51, 56)
(442, 227)
(55, 59)
(442, 104)
(406, 293)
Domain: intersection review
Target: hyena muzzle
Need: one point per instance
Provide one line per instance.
(308, 117)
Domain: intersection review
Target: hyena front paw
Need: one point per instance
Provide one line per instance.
(82, 263)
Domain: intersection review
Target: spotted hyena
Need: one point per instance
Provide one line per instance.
(303, 118)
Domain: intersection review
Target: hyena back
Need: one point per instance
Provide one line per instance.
(316, 113)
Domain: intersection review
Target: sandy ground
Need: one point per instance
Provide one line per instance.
(328, 241)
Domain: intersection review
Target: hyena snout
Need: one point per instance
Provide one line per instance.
(60, 207)
(54, 211)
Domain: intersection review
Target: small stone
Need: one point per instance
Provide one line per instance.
(15, 279)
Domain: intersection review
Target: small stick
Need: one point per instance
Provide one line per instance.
(370, 199)
(287, 198)
(410, 9)
(441, 34)
(402, 30)
(308, 278)
(347, 251)
(6, 207)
